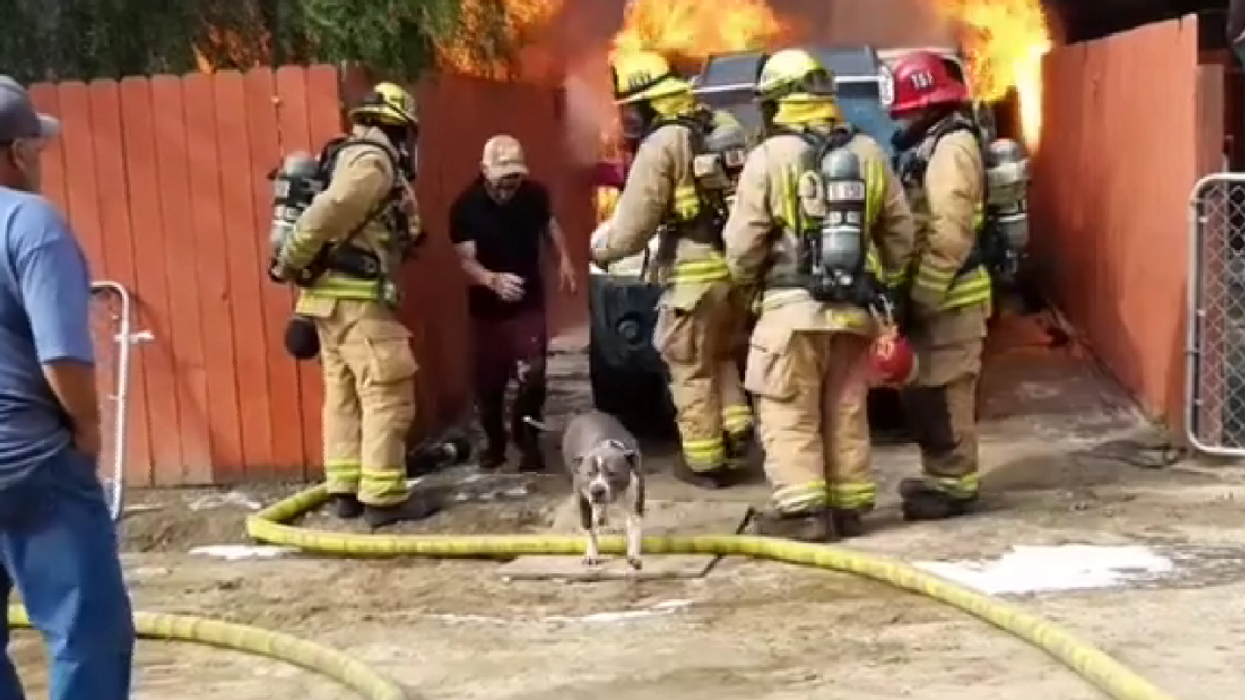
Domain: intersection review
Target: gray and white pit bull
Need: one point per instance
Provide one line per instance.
(603, 459)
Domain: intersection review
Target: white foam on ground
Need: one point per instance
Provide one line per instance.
(1031, 569)
(237, 552)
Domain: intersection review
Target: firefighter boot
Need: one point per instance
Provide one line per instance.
(738, 443)
(417, 506)
(814, 526)
(848, 522)
(346, 506)
(710, 479)
(923, 501)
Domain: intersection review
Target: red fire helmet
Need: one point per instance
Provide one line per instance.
(923, 80)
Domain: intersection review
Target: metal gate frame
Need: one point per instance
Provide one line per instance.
(1200, 307)
(125, 339)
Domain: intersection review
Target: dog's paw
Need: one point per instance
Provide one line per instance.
(592, 560)
(636, 563)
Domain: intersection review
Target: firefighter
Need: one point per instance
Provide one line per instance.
(950, 295)
(808, 361)
(698, 313)
(365, 214)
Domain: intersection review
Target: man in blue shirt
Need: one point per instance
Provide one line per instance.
(57, 541)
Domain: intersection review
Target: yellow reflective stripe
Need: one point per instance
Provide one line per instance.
(873, 264)
(736, 419)
(894, 278)
(712, 269)
(970, 288)
(704, 454)
(341, 475)
(339, 286)
(853, 495)
(961, 486)
(383, 482)
(933, 279)
(790, 214)
(686, 202)
(800, 498)
(875, 181)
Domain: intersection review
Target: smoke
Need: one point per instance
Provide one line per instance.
(588, 30)
(590, 111)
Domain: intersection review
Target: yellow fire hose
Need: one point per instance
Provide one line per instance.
(252, 640)
(1094, 666)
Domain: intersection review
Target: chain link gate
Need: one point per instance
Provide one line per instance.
(1215, 347)
(112, 328)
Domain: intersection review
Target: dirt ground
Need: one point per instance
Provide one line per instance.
(747, 630)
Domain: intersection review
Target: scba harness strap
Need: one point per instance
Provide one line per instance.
(866, 289)
(341, 255)
(912, 175)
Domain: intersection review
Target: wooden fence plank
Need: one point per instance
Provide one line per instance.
(211, 263)
(80, 196)
(295, 132)
(46, 100)
(150, 289)
(323, 120)
(180, 261)
(250, 368)
(119, 261)
(286, 459)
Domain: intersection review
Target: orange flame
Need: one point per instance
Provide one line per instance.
(479, 18)
(695, 29)
(1006, 40)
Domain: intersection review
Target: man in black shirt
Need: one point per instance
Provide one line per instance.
(500, 226)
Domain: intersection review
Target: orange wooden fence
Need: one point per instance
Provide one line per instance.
(164, 180)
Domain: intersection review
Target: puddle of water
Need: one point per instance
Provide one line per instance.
(1032, 569)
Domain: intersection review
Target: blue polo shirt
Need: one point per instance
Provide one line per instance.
(45, 298)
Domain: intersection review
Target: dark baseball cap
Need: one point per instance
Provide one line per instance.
(18, 117)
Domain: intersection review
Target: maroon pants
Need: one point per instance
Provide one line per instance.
(505, 349)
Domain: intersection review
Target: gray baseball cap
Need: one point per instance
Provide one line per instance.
(18, 117)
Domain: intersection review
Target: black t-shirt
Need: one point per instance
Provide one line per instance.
(508, 238)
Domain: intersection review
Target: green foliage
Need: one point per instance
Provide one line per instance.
(82, 39)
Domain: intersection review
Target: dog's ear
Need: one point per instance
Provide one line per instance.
(633, 459)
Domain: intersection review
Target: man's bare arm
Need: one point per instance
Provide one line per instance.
(557, 240)
(475, 271)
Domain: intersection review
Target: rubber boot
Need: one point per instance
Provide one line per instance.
(922, 501)
(709, 479)
(346, 506)
(815, 527)
(848, 522)
(417, 506)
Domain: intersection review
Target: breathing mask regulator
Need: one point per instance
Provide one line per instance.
(833, 244)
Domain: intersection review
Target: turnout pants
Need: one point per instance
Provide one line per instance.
(511, 348)
(369, 400)
(59, 548)
(697, 335)
(941, 406)
(810, 389)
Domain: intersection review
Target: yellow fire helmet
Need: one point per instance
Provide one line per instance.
(794, 75)
(644, 75)
(387, 103)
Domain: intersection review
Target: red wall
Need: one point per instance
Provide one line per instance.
(1126, 133)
